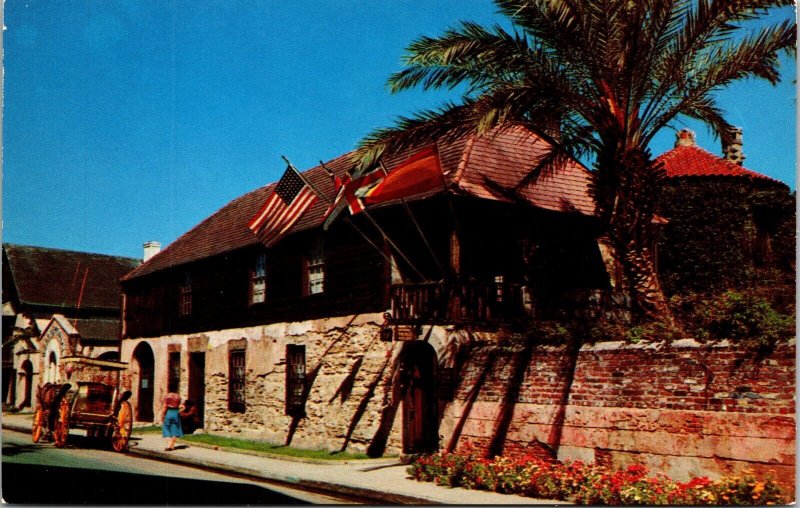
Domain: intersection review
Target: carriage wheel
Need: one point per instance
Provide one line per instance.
(61, 431)
(38, 424)
(122, 427)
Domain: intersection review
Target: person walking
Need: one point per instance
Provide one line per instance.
(171, 428)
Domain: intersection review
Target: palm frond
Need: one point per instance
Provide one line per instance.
(449, 121)
(755, 56)
(711, 22)
(468, 55)
(703, 108)
(707, 111)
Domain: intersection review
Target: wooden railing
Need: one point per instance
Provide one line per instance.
(467, 302)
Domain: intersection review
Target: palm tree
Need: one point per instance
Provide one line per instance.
(597, 78)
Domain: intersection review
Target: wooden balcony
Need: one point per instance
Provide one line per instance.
(456, 302)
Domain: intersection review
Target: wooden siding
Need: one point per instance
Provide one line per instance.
(495, 238)
(355, 281)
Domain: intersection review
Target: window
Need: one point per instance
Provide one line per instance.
(498, 283)
(186, 295)
(295, 379)
(316, 268)
(174, 372)
(258, 279)
(52, 368)
(236, 380)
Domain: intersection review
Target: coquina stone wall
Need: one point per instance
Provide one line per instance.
(349, 372)
(685, 409)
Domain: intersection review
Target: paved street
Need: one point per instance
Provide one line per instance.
(78, 474)
(376, 481)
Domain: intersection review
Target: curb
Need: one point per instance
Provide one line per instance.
(377, 495)
(17, 427)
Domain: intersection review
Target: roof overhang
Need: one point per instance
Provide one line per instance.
(82, 360)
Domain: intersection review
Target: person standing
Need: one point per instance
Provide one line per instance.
(171, 428)
(190, 419)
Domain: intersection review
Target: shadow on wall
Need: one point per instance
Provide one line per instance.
(570, 366)
(346, 387)
(519, 361)
(311, 377)
(510, 397)
(362, 405)
(472, 396)
(391, 400)
(456, 354)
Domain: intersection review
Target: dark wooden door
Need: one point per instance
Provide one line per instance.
(197, 382)
(420, 415)
(144, 391)
(144, 408)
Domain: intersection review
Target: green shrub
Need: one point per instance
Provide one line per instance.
(743, 317)
(708, 244)
(654, 331)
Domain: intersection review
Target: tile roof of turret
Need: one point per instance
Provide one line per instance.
(693, 161)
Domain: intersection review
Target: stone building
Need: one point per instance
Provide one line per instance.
(310, 342)
(56, 304)
(421, 335)
(714, 205)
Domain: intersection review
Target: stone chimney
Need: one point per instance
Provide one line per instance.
(151, 248)
(733, 150)
(685, 137)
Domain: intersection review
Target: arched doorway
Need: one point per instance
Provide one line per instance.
(420, 407)
(144, 364)
(52, 367)
(26, 375)
(111, 356)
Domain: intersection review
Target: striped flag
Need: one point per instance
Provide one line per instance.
(420, 173)
(346, 194)
(285, 205)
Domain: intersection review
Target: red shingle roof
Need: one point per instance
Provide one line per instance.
(475, 165)
(686, 161)
(45, 276)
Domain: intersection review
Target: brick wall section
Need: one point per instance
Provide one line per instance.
(686, 378)
(686, 409)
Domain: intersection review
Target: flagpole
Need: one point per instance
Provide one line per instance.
(330, 201)
(416, 224)
(382, 232)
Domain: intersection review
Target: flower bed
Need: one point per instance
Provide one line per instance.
(589, 484)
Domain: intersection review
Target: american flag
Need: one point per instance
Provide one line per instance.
(285, 205)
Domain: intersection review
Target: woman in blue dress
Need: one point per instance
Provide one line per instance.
(171, 428)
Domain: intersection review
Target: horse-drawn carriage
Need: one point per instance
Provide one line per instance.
(97, 407)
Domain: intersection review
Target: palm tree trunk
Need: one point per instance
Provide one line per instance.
(626, 189)
(647, 294)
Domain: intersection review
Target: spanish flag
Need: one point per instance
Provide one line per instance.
(418, 174)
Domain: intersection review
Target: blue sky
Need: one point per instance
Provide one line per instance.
(133, 120)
